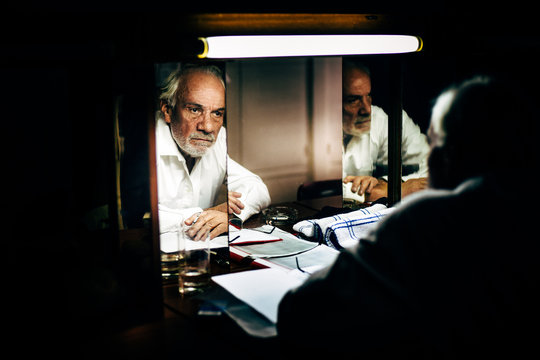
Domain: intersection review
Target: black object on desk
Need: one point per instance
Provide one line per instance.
(319, 189)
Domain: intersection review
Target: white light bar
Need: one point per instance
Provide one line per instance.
(253, 46)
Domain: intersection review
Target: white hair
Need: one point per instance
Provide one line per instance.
(438, 113)
(169, 92)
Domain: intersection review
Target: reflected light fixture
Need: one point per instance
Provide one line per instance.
(254, 46)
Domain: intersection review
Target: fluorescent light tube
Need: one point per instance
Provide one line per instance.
(253, 46)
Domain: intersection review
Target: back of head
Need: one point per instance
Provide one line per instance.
(484, 128)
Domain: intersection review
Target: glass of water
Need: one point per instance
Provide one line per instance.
(193, 262)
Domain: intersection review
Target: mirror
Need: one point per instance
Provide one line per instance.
(191, 157)
(366, 102)
(283, 121)
(281, 124)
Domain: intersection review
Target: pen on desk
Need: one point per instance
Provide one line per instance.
(230, 241)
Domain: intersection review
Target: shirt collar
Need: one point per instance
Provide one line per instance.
(166, 146)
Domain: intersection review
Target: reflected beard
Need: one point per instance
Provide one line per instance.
(196, 150)
(350, 128)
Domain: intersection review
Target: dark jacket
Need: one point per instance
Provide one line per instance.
(449, 274)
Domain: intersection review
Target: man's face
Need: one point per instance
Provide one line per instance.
(356, 102)
(198, 117)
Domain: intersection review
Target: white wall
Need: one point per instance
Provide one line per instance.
(327, 113)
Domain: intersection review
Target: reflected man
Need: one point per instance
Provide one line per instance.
(365, 140)
(192, 161)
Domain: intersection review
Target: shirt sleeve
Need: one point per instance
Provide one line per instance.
(414, 146)
(255, 195)
(169, 218)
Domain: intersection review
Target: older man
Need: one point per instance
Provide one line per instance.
(453, 272)
(365, 140)
(192, 162)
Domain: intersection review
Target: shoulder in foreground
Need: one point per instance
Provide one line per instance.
(432, 200)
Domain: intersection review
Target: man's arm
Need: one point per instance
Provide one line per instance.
(361, 184)
(247, 196)
(414, 150)
(407, 187)
(214, 221)
(215, 218)
(169, 219)
(233, 205)
(375, 189)
(254, 193)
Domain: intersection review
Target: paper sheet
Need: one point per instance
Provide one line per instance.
(319, 257)
(290, 245)
(262, 289)
(169, 242)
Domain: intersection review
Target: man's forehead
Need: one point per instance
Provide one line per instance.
(356, 82)
(205, 91)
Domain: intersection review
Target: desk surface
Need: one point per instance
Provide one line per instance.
(306, 209)
(184, 311)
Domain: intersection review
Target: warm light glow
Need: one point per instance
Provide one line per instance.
(253, 46)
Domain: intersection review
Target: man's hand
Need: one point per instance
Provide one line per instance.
(408, 187)
(361, 184)
(413, 185)
(214, 221)
(234, 206)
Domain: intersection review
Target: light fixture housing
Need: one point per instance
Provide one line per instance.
(256, 46)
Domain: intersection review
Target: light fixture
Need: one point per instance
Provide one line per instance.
(254, 46)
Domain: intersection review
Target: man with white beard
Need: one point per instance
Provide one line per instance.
(365, 140)
(192, 160)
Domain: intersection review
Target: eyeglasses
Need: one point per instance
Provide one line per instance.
(299, 268)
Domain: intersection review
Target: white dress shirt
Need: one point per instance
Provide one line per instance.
(363, 153)
(181, 193)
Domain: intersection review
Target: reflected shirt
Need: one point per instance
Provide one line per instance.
(182, 194)
(364, 153)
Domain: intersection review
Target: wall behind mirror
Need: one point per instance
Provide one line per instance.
(284, 120)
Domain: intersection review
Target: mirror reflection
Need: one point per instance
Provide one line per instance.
(283, 122)
(365, 140)
(191, 155)
(192, 161)
(191, 148)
